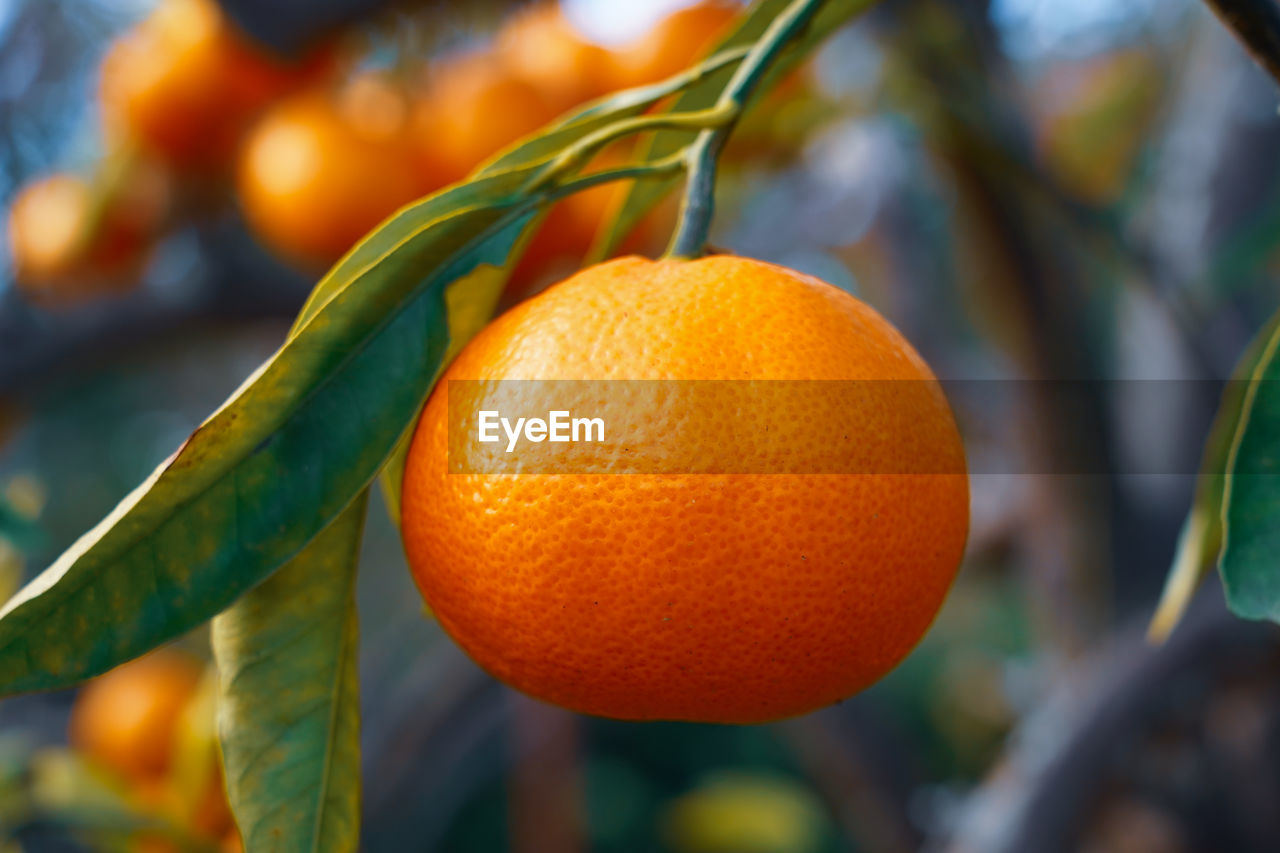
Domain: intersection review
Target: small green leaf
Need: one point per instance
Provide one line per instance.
(289, 698)
(1200, 543)
(1250, 563)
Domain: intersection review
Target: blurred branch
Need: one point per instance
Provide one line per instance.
(1061, 756)
(956, 81)
(545, 787)
(836, 747)
(1256, 23)
(438, 740)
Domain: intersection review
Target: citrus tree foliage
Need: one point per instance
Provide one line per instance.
(255, 521)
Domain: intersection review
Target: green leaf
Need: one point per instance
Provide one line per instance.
(1201, 541)
(469, 305)
(644, 194)
(1250, 564)
(289, 698)
(274, 465)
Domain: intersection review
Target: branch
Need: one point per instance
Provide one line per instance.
(1066, 751)
(698, 204)
(1256, 23)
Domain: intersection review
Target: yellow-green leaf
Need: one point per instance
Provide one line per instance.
(1201, 541)
(289, 698)
(1250, 563)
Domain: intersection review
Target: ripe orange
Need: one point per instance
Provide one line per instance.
(539, 45)
(65, 249)
(674, 44)
(719, 597)
(125, 720)
(320, 171)
(473, 108)
(183, 84)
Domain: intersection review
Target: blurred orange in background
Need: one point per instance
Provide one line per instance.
(126, 720)
(541, 46)
(70, 239)
(472, 108)
(318, 162)
(674, 43)
(183, 84)
(324, 167)
(149, 725)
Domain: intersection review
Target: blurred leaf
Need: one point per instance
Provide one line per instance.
(1201, 540)
(1092, 142)
(15, 799)
(290, 698)
(746, 814)
(19, 528)
(644, 194)
(68, 793)
(195, 766)
(1250, 562)
(1250, 247)
(11, 568)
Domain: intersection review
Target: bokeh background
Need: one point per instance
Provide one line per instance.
(1030, 190)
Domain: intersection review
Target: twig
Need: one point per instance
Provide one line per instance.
(581, 151)
(698, 204)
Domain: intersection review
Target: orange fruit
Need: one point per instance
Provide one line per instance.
(66, 245)
(473, 108)
(716, 597)
(320, 170)
(185, 82)
(674, 44)
(125, 720)
(541, 46)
